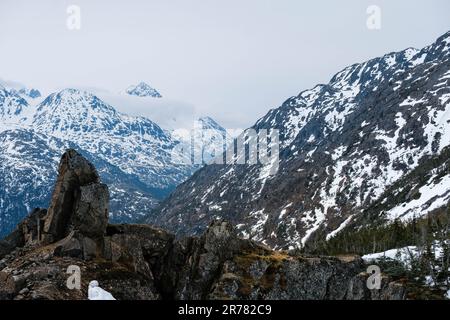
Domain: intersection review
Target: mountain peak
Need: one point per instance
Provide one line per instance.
(71, 91)
(143, 90)
(207, 122)
(11, 105)
(444, 38)
(19, 89)
(70, 97)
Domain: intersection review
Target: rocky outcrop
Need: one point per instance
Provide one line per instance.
(144, 262)
(79, 201)
(77, 218)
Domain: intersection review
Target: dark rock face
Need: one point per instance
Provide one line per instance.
(91, 210)
(79, 200)
(144, 262)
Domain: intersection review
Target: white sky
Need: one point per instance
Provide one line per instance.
(230, 59)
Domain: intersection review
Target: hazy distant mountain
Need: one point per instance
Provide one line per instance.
(143, 90)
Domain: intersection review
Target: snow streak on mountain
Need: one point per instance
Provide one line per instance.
(342, 144)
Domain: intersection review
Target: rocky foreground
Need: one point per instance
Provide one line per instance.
(141, 262)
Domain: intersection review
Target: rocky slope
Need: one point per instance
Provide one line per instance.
(341, 145)
(143, 262)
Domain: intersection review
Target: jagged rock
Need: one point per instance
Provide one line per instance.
(143, 262)
(219, 265)
(27, 232)
(199, 260)
(32, 226)
(77, 217)
(79, 201)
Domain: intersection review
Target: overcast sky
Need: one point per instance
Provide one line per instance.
(230, 59)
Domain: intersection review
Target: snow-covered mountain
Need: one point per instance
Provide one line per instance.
(341, 145)
(13, 108)
(134, 156)
(143, 90)
(134, 144)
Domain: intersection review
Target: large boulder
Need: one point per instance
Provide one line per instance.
(79, 200)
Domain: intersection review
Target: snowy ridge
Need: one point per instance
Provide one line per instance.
(342, 144)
